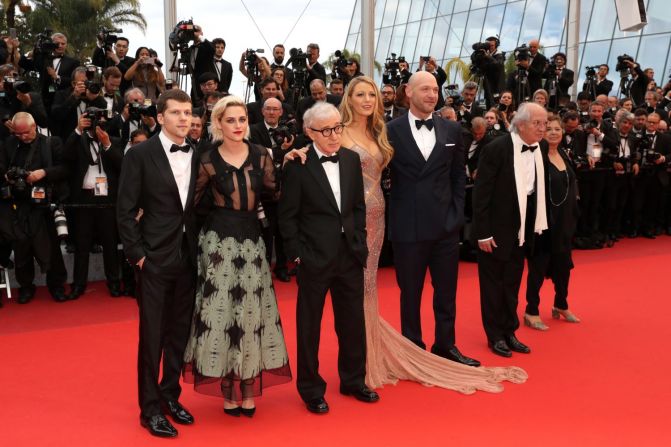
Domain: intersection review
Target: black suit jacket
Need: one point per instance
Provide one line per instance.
(147, 182)
(65, 69)
(564, 82)
(307, 102)
(256, 116)
(204, 63)
(536, 70)
(258, 134)
(317, 72)
(77, 154)
(639, 86)
(472, 162)
(309, 219)
(64, 112)
(496, 211)
(427, 196)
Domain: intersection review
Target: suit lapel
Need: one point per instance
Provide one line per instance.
(194, 177)
(345, 183)
(163, 166)
(315, 168)
(439, 146)
(409, 141)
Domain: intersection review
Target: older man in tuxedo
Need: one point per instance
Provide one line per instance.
(428, 180)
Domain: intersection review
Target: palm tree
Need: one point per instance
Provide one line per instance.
(81, 20)
(460, 67)
(9, 6)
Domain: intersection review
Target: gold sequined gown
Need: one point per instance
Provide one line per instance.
(390, 356)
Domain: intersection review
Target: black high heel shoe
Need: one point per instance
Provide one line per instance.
(235, 412)
(249, 412)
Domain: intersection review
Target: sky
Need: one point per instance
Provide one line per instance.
(325, 22)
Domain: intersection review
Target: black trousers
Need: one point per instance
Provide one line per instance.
(559, 265)
(499, 286)
(95, 224)
(272, 237)
(619, 188)
(166, 306)
(647, 201)
(441, 258)
(592, 184)
(345, 282)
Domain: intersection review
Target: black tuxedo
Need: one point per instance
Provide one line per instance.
(395, 113)
(64, 114)
(638, 86)
(256, 116)
(65, 68)
(426, 213)
(166, 238)
(316, 72)
(92, 222)
(601, 88)
(331, 245)
(100, 59)
(204, 63)
(496, 213)
(536, 71)
(307, 102)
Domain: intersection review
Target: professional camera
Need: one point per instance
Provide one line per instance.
(285, 129)
(16, 176)
(392, 70)
(97, 116)
(590, 72)
(136, 111)
(12, 84)
(521, 53)
(298, 60)
(93, 83)
(44, 44)
(61, 222)
(648, 154)
(621, 65)
(550, 70)
(591, 124)
(478, 57)
(107, 39)
(183, 33)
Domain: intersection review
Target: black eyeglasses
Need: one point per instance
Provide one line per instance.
(326, 132)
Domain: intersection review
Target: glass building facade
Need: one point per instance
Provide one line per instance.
(446, 29)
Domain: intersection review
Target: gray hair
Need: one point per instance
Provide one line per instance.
(61, 35)
(523, 114)
(624, 116)
(321, 110)
(478, 122)
(316, 82)
(129, 92)
(470, 85)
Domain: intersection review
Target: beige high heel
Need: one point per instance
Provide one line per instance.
(567, 314)
(535, 322)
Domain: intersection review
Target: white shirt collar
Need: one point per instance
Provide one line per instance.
(320, 154)
(167, 142)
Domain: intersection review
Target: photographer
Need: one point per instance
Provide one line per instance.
(315, 70)
(496, 125)
(559, 79)
(54, 66)
(492, 66)
(638, 84)
(207, 83)
(507, 106)
(285, 94)
(619, 181)
(653, 151)
(337, 87)
(95, 163)
(15, 98)
(537, 65)
(278, 62)
(391, 111)
(104, 57)
(597, 83)
(210, 59)
(429, 64)
(269, 89)
(652, 105)
(466, 107)
(278, 137)
(255, 68)
(317, 93)
(518, 82)
(134, 115)
(30, 165)
(146, 74)
(110, 90)
(70, 104)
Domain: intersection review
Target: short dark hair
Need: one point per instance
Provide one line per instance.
(215, 94)
(175, 94)
(595, 104)
(560, 54)
(206, 77)
(218, 40)
(337, 81)
(137, 132)
(584, 95)
(570, 115)
(267, 81)
(123, 38)
(278, 45)
(640, 111)
(605, 65)
(112, 72)
(389, 85)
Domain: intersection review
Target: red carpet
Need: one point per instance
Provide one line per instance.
(68, 373)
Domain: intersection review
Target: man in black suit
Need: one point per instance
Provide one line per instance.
(560, 80)
(508, 211)
(110, 90)
(210, 60)
(315, 69)
(601, 85)
(638, 84)
(55, 68)
(494, 71)
(391, 111)
(130, 118)
(323, 222)
(159, 176)
(269, 89)
(426, 213)
(13, 101)
(430, 65)
(537, 64)
(95, 163)
(317, 94)
(469, 109)
(118, 58)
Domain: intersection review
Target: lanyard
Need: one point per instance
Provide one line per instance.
(95, 148)
(623, 146)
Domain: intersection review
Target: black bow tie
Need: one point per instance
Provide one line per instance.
(109, 95)
(428, 123)
(217, 61)
(334, 158)
(528, 148)
(176, 148)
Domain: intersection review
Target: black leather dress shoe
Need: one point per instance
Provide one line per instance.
(114, 288)
(363, 394)
(515, 345)
(499, 347)
(282, 275)
(317, 406)
(648, 234)
(58, 294)
(456, 356)
(159, 426)
(179, 414)
(76, 291)
(26, 294)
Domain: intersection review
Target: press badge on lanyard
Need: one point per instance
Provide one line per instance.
(38, 193)
(101, 186)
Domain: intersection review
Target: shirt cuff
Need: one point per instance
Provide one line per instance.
(486, 240)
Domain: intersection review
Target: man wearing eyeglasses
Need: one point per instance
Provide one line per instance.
(508, 213)
(322, 217)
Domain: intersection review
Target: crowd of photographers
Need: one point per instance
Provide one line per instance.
(64, 136)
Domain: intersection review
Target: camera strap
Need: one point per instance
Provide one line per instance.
(94, 148)
(29, 156)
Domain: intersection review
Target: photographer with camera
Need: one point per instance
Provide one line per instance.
(146, 74)
(518, 80)
(95, 163)
(71, 103)
(429, 64)
(111, 78)
(31, 169)
(112, 51)
(558, 79)
(315, 70)
(537, 65)
(490, 63)
(653, 150)
(337, 87)
(255, 68)
(134, 115)
(496, 124)
(596, 82)
(636, 86)
(393, 71)
(465, 106)
(269, 89)
(278, 137)
(15, 96)
(278, 62)
(652, 105)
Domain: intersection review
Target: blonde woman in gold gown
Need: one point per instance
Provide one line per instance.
(390, 356)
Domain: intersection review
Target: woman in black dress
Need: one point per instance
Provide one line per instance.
(552, 254)
(236, 347)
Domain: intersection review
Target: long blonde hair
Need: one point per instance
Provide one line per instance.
(376, 123)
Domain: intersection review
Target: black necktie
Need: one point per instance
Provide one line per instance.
(528, 148)
(176, 148)
(428, 123)
(334, 158)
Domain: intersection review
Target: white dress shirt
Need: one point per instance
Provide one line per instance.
(180, 164)
(425, 138)
(94, 171)
(529, 162)
(332, 174)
